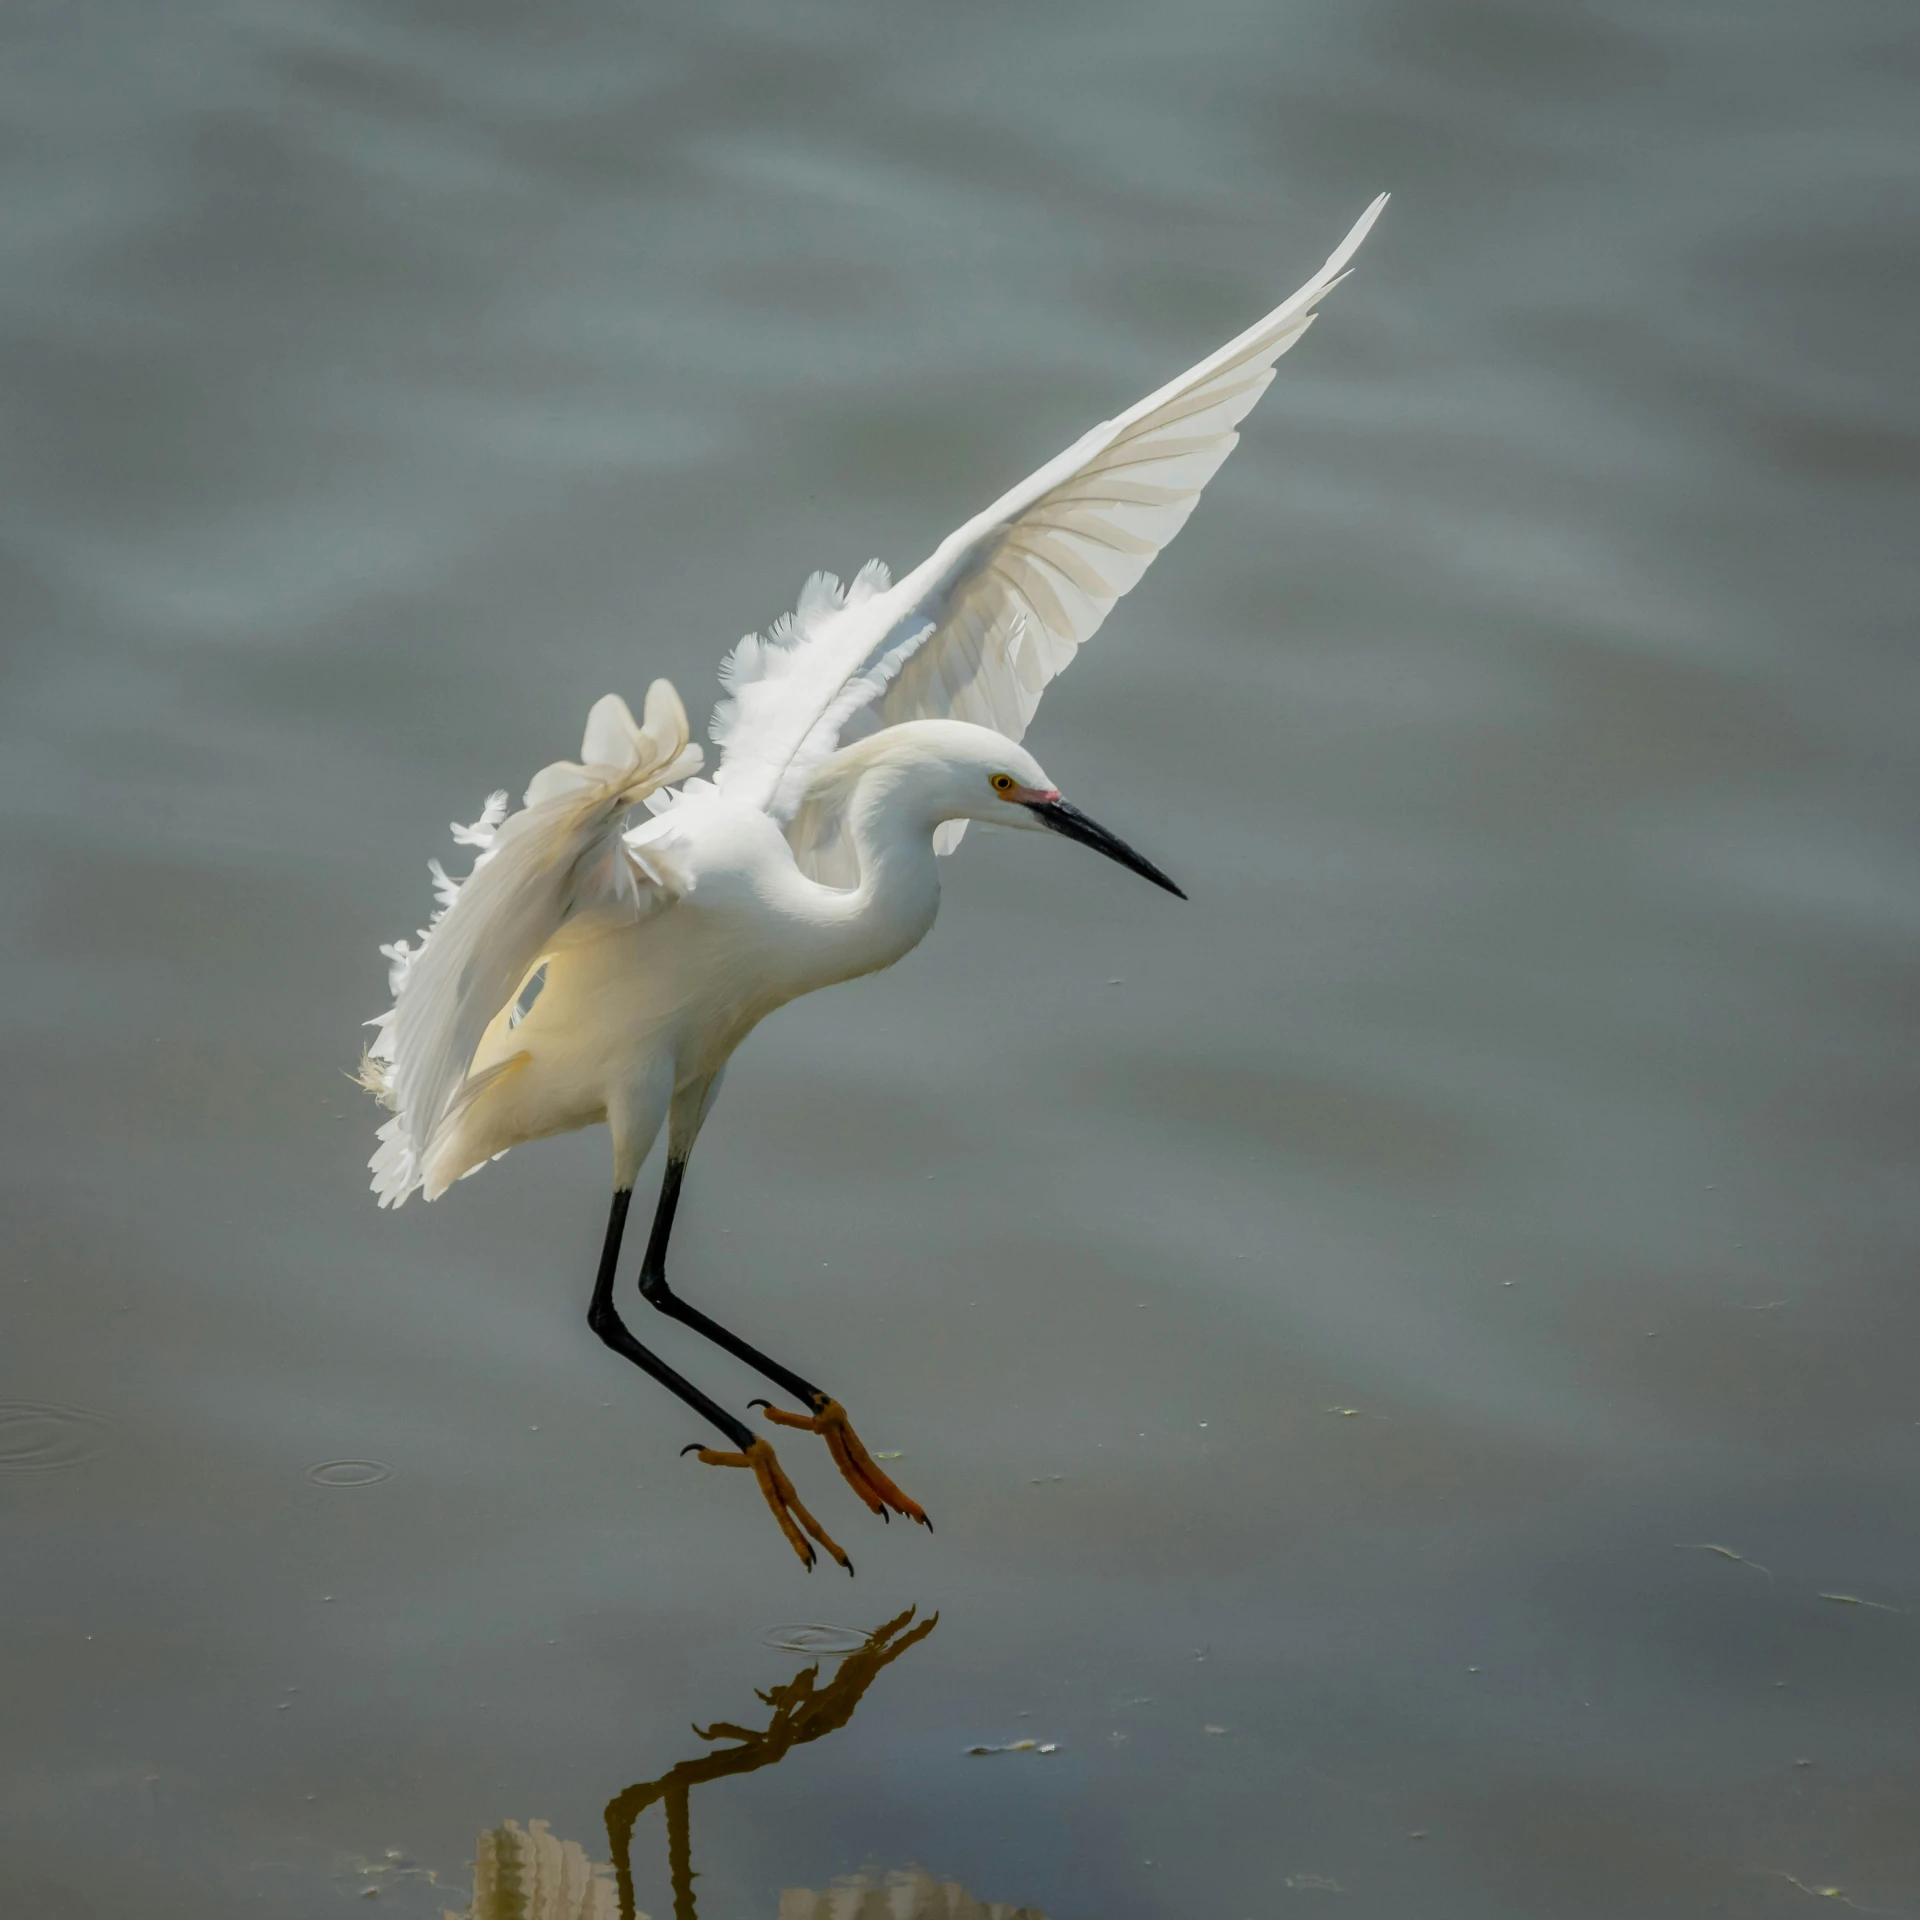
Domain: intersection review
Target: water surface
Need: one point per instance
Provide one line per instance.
(1331, 1322)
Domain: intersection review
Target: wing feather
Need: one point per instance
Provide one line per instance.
(1003, 604)
(559, 857)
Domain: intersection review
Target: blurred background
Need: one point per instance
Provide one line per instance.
(1412, 1355)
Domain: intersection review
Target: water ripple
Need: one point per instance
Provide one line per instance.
(36, 1438)
(349, 1473)
(816, 1639)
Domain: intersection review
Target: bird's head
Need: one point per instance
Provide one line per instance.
(989, 778)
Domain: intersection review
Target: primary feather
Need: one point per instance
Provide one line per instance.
(979, 629)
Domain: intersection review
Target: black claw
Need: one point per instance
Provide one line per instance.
(768, 1404)
(695, 1448)
(849, 1569)
(886, 1516)
(925, 1522)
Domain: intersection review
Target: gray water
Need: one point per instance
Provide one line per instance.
(1329, 1322)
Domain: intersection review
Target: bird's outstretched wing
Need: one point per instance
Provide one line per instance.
(559, 857)
(978, 630)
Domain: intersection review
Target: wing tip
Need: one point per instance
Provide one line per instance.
(1348, 247)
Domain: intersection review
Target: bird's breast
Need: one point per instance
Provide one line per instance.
(750, 931)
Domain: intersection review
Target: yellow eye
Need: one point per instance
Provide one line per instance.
(1004, 783)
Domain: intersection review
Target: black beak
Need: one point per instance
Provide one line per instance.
(1075, 825)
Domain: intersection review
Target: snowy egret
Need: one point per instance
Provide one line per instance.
(584, 972)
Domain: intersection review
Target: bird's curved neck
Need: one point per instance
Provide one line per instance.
(888, 821)
(891, 828)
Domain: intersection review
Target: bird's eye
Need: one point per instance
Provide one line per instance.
(1003, 783)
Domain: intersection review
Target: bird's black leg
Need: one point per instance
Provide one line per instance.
(604, 1318)
(824, 1416)
(751, 1451)
(655, 1291)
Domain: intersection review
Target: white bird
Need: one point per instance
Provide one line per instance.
(584, 972)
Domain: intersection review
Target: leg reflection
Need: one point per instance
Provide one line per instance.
(802, 1712)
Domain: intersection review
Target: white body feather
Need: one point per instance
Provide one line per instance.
(805, 861)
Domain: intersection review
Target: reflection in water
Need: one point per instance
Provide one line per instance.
(527, 1874)
(897, 1896)
(532, 1876)
(800, 1714)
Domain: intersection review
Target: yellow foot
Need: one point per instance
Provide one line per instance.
(856, 1464)
(786, 1504)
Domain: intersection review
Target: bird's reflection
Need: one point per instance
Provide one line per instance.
(802, 1712)
(896, 1896)
(528, 1874)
